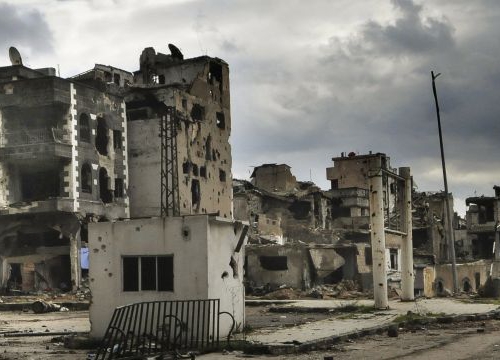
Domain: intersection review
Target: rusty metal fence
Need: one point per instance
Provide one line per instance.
(160, 327)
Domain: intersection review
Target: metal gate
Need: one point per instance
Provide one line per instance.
(159, 327)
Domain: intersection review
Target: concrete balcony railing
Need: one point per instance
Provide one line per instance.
(34, 136)
(35, 145)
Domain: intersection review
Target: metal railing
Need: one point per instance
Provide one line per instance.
(34, 136)
(160, 327)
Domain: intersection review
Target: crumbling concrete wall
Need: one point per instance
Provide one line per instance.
(203, 127)
(202, 249)
(474, 273)
(276, 265)
(273, 177)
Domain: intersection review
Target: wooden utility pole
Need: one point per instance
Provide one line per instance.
(451, 237)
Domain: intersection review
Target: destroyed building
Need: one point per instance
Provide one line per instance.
(63, 163)
(325, 231)
(181, 242)
(482, 225)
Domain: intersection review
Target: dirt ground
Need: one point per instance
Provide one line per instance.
(467, 340)
(40, 347)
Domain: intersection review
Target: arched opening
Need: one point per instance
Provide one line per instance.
(101, 139)
(105, 194)
(84, 123)
(86, 178)
(466, 285)
(440, 287)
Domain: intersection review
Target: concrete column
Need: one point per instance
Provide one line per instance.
(378, 234)
(74, 254)
(497, 243)
(407, 274)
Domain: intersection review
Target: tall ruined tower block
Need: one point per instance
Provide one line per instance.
(192, 95)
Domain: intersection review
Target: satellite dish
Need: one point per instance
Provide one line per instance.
(176, 53)
(15, 56)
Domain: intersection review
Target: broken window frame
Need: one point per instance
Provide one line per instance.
(117, 140)
(86, 178)
(85, 131)
(102, 138)
(135, 280)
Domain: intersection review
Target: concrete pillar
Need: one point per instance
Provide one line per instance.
(378, 234)
(497, 243)
(407, 274)
(74, 255)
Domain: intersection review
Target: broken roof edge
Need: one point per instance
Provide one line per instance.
(363, 156)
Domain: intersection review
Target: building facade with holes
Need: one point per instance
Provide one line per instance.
(63, 163)
(181, 242)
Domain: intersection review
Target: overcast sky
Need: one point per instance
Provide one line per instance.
(309, 79)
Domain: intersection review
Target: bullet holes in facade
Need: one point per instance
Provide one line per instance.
(84, 123)
(86, 178)
(220, 120)
(101, 140)
(197, 112)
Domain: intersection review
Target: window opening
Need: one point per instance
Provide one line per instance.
(197, 112)
(368, 256)
(86, 178)
(116, 79)
(186, 166)
(148, 273)
(118, 188)
(222, 175)
(101, 140)
(220, 120)
(117, 140)
(394, 258)
(105, 194)
(274, 263)
(208, 148)
(195, 170)
(84, 128)
(203, 172)
(161, 79)
(195, 193)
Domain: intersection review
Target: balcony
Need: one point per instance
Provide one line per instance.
(35, 144)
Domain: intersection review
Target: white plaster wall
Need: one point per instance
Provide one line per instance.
(199, 260)
(222, 242)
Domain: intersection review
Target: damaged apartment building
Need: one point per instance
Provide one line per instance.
(301, 235)
(134, 165)
(63, 163)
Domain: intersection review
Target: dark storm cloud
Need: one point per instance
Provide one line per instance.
(371, 90)
(411, 33)
(25, 28)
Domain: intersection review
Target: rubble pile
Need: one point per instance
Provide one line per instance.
(346, 289)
